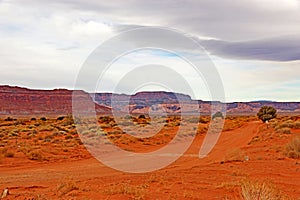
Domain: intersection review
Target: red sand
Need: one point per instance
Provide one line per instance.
(83, 177)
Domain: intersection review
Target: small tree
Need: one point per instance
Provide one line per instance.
(266, 113)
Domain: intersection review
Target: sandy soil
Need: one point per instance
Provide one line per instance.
(236, 157)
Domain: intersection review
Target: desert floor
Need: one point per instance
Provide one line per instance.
(44, 158)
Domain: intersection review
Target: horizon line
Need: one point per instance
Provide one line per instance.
(153, 91)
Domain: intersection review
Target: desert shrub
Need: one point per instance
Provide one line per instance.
(3, 150)
(19, 122)
(34, 155)
(43, 119)
(67, 137)
(262, 190)
(126, 123)
(33, 119)
(24, 130)
(204, 120)
(9, 154)
(193, 120)
(273, 123)
(73, 132)
(32, 132)
(66, 188)
(47, 128)
(142, 117)
(288, 123)
(9, 119)
(68, 121)
(285, 124)
(48, 138)
(106, 119)
(218, 115)
(136, 191)
(284, 130)
(60, 118)
(292, 149)
(13, 133)
(127, 117)
(202, 129)
(266, 113)
(255, 139)
(296, 125)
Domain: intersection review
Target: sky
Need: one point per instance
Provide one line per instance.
(254, 45)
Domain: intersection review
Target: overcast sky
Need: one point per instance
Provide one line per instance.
(255, 45)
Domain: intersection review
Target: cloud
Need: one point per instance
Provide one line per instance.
(275, 49)
(227, 20)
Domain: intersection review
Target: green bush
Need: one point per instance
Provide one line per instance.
(266, 113)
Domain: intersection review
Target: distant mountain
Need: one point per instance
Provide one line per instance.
(23, 101)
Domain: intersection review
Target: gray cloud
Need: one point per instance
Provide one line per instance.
(275, 49)
(232, 20)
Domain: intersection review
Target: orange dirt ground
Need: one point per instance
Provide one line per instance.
(63, 169)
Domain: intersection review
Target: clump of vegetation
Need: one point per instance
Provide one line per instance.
(106, 119)
(142, 117)
(193, 120)
(9, 119)
(34, 155)
(263, 190)
(9, 154)
(266, 113)
(43, 119)
(60, 118)
(296, 125)
(136, 191)
(204, 120)
(284, 130)
(66, 188)
(292, 149)
(218, 114)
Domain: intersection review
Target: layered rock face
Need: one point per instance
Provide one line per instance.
(23, 101)
(170, 102)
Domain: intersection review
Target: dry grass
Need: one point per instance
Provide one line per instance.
(65, 188)
(5, 152)
(285, 122)
(254, 140)
(9, 154)
(284, 130)
(296, 125)
(292, 149)
(35, 155)
(260, 190)
(31, 136)
(135, 191)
